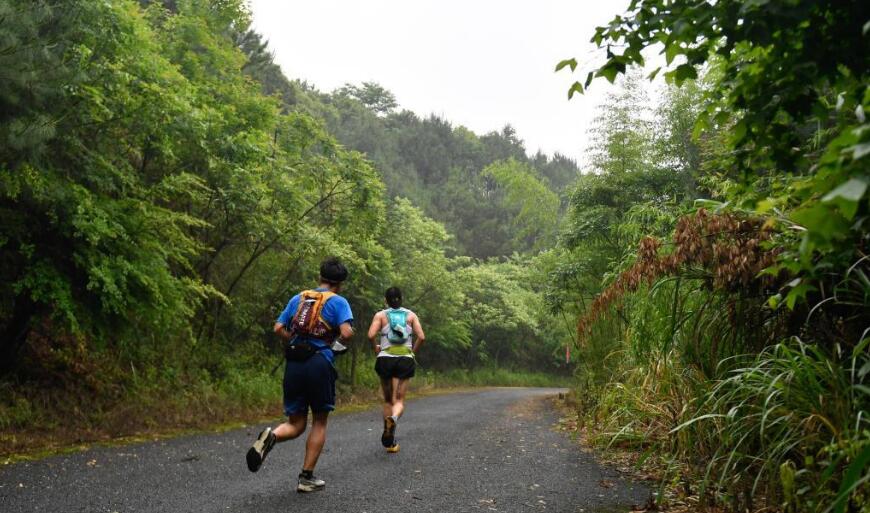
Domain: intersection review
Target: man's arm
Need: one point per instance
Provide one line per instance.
(280, 327)
(419, 336)
(281, 331)
(337, 311)
(374, 329)
(345, 331)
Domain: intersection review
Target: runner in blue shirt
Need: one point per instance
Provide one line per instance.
(309, 324)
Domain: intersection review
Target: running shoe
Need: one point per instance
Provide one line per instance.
(389, 434)
(393, 448)
(312, 484)
(257, 453)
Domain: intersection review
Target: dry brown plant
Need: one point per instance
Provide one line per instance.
(727, 250)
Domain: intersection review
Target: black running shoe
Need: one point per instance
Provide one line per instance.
(257, 453)
(389, 434)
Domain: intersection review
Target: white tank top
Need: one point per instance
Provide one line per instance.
(385, 339)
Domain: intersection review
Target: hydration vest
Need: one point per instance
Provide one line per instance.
(399, 332)
(308, 321)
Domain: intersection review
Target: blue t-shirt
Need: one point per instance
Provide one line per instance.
(336, 312)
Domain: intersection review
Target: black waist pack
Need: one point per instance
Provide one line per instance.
(298, 350)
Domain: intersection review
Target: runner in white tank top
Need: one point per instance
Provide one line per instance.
(396, 336)
(392, 344)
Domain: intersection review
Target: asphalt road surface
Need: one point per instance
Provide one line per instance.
(490, 450)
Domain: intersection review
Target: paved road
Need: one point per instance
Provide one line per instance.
(492, 450)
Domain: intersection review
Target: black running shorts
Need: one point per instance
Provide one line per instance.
(401, 367)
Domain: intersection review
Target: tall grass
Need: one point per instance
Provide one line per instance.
(787, 425)
(708, 382)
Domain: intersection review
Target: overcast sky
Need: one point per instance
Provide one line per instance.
(478, 63)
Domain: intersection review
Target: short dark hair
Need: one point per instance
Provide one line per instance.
(394, 297)
(332, 271)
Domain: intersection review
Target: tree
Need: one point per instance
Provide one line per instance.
(676, 147)
(534, 206)
(622, 132)
(371, 94)
(791, 85)
(90, 186)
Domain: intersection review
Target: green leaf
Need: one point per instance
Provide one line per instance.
(766, 205)
(739, 132)
(589, 78)
(821, 221)
(852, 190)
(774, 301)
(798, 293)
(684, 72)
(610, 70)
(749, 5)
(847, 196)
(572, 63)
(671, 52)
(576, 87)
(860, 150)
(852, 479)
(701, 125)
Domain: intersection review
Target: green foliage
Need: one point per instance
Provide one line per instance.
(494, 377)
(428, 279)
(535, 206)
(791, 403)
(165, 189)
(88, 236)
(440, 166)
(372, 95)
(800, 151)
(761, 380)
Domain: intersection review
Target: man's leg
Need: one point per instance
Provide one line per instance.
(291, 429)
(320, 390)
(264, 443)
(316, 439)
(313, 447)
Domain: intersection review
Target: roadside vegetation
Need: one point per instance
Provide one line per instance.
(728, 341)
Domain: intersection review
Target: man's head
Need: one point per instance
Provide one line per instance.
(332, 273)
(394, 297)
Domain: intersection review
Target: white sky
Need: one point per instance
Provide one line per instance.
(478, 63)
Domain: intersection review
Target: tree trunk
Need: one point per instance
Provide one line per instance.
(14, 334)
(354, 351)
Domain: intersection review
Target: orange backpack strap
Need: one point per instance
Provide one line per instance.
(308, 320)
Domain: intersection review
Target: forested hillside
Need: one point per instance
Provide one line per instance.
(440, 167)
(165, 190)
